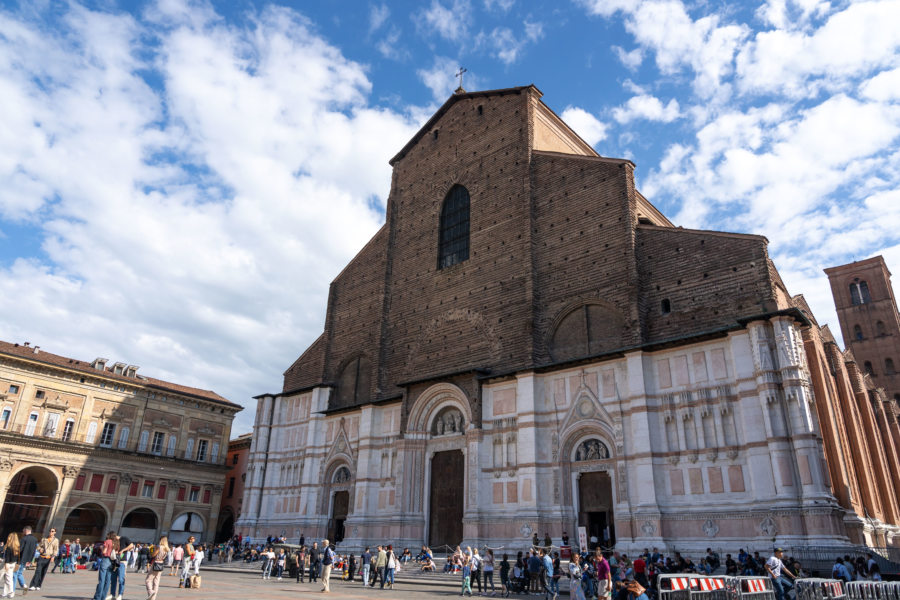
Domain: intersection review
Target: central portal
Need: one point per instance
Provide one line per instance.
(595, 504)
(339, 510)
(447, 494)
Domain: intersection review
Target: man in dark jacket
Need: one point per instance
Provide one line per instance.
(314, 561)
(28, 545)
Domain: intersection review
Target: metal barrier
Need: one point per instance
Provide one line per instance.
(753, 588)
(695, 587)
(815, 588)
(866, 590)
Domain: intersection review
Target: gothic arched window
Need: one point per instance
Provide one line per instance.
(859, 293)
(453, 244)
(867, 366)
(888, 366)
(857, 332)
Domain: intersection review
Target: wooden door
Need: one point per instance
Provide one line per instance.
(447, 495)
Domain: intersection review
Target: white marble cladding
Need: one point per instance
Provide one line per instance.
(707, 429)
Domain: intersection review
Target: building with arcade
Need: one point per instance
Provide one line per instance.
(89, 446)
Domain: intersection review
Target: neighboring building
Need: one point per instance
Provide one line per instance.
(528, 345)
(233, 494)
(86, 447)
(870, 325)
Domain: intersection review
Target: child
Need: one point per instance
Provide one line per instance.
(466, 575)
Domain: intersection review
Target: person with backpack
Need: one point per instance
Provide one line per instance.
(327, 562)
(391, 566)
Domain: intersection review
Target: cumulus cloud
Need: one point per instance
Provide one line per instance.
(647, 107)
(450, 22)
(378, 16)
(189, 225)
(589, 127)
(631, 60)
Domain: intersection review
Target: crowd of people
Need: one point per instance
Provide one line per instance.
(111, 558)
(535, 571)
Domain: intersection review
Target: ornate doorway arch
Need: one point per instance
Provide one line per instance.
(441, 418)
(590, 467)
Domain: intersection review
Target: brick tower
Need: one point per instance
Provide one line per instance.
(867, 312)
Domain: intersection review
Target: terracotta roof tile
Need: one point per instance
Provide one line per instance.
(32, 353)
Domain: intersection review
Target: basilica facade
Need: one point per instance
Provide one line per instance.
(529, 346)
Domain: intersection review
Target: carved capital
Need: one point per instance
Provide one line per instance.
(217, 489)
(69, 471)
(6, 464)
(126, 477)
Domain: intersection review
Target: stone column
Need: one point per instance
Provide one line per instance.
(118, 513)
(213, 520)
(171, 497)
(6, 467)
(60, 509)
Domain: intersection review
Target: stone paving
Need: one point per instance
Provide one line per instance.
(228, 585)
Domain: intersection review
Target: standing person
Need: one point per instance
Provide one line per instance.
(327, 562)
(177, 556)
(488, 569)
(504, 576)
(557, 573)
(104, 563)
(366, 560)
(351, 567)
(546, 573)
(48, 549)
(389, 567)
(117, 581)
(775, 567)
(380, 565)
(314, 559)
(604, 575)
(10, 564)
(466, 574)
(576, 592)
(157, 566)
(186, 562)
(280, 563)
(476, 568)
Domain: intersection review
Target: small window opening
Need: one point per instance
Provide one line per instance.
(857, 332)
(665, 306)
(867, 366)
(435, 134)
(480, 110)
(889, 366)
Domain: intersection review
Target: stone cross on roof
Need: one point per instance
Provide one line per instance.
(459, 74)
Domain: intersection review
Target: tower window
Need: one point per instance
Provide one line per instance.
(453, 246)
(665, 307)
(867, 366)
(857, 332)
(888, 366)
(879, 329)
(859, 293)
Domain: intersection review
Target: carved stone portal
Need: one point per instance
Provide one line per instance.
(342, 475)
(592, 449)
(449, 421)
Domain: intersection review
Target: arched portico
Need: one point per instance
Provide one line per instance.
(86, 521)
(30, 499)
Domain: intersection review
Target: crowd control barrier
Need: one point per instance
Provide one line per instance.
(752, 588)
(814, 588)
(873, 590)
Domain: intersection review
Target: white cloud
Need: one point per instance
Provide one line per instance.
(649, 108)
(508, 46)
(450, 22)
(440, 78)
(389, 48)
(502, 5)
(589, 127)
(200, 216)
(378, 16)
(791, 14)
(884, 87)
(631, 60)
(850, 44)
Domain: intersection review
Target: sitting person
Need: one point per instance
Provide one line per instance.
(429, 566)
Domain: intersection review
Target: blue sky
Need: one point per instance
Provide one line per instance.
(180, 181)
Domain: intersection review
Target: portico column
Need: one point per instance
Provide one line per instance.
(60, 509)
(6, 467)
(125, 480)
(214, 512)
(172, 493)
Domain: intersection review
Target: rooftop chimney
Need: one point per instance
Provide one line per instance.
(37, 349)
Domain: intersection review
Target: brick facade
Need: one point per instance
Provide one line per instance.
(586, 341)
